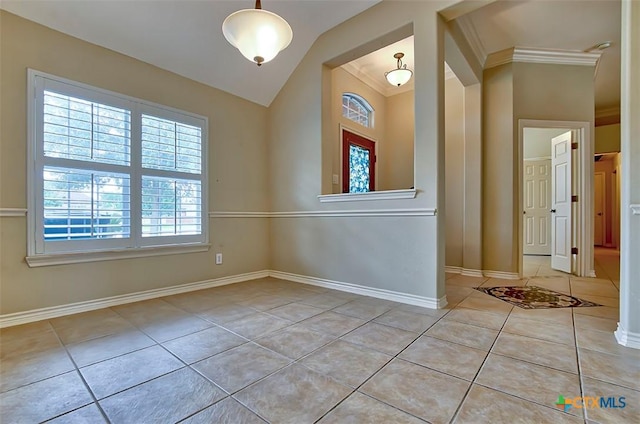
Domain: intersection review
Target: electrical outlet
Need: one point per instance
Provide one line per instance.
(335, 179)
(218, 258)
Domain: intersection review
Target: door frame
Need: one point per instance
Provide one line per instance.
(582, 225)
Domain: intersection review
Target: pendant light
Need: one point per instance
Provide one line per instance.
(400, 75)
(259, 34)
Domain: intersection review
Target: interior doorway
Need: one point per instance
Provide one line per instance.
(555, 173)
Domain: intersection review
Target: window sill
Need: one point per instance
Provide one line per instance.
(372, 195)
(111, 255)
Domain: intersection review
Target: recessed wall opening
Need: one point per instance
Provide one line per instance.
(368, 123)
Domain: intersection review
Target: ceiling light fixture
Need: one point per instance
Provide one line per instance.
(259, 34)
(401, 74)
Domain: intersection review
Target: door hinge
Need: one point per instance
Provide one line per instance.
(574, 250)
(574, 198)
(574, 146)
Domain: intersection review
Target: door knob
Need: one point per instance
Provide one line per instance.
(599, 213)
(552, 211)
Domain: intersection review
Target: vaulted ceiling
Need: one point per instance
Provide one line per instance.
(185, 37)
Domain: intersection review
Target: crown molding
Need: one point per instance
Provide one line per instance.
(469, 31)
(610, 111)
(545, 56)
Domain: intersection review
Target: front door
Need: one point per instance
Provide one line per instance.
(537, 198)
(358, 163)
(561, 202)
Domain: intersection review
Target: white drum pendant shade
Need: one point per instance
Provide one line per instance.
(259, 34)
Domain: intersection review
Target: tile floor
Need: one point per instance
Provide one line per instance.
(281, 352)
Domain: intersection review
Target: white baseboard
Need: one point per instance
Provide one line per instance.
(482, 273)
(425, 302)
(18, 318)
(627, 338)
(592, 273)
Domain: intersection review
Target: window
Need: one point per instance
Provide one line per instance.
(112, 172)
(357, 109)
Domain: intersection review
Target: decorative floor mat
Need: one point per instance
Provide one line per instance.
(532, 297)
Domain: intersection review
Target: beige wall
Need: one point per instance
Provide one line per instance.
(237, 170)
(607, 138)
(396, 157)
(396, 253)
(454, 171)
(532, 91)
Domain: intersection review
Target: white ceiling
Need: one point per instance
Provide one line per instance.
(576, 25)
(185, 36)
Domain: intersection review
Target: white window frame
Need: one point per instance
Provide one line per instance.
(362, 102)
(39, 252)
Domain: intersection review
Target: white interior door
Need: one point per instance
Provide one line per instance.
(537, 203)
(561, 202)
(599, 209)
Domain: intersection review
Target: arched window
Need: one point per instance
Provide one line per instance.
(357, 109)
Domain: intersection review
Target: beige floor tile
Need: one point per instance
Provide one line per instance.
(324, 301)
(265, 302)
(466, 281)
(528, 381)
(591, 288)
(603, 341)
(541, 352)
(237, 368)
(427, 394)
(559, 316)
(476, 317)
(464, 334)
(192, 302)
(559, 284)
(117, 374)
(380, 337)
(628, 414)
(484, 405)
(359, 408)
(107, 347)
(423, 311)
(544, 330)
(20, 369)
(615, 369)
(197, 346)
(599, 311)
(256, 325)
(294, 342)
(89, 325)
(227, 411)
(295, 311)
(225, 313)
(28, 404)
(148, 312)
(588, 322)
(447, 357)
(345, 362)
(611, 302)
(293, 395)
(169, 398)
(361, 309)
(89, 414)
(332, 323)
(25, 333)
(177, 327)
(484, 302)
(409, 321)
